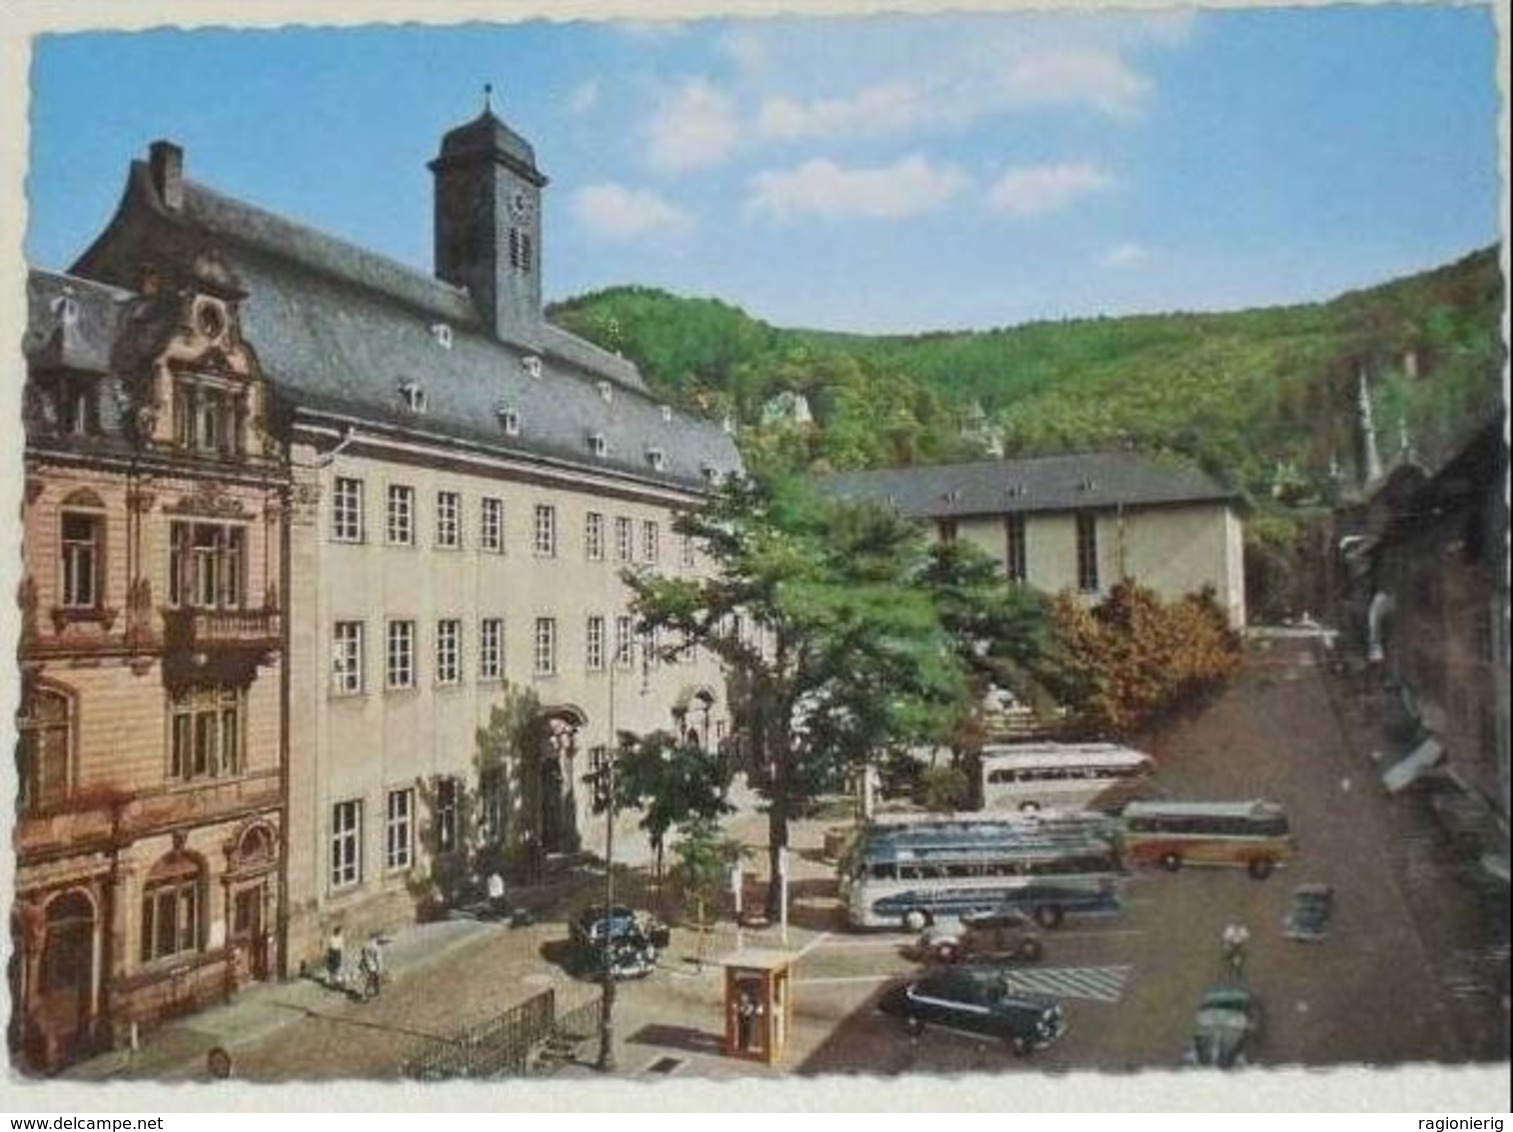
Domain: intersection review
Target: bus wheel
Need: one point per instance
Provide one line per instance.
(1030, 950)
(1029, 807)
(916, 920)
(1260, 867)
(1171, 862)
(1048, 915)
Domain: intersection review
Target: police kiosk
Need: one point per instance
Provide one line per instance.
(758, 1004)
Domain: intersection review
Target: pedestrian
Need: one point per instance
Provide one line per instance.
(1235, 936)
(371, 965)
(495, 890)
(336, 948)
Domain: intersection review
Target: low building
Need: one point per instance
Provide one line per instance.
(1079, 523)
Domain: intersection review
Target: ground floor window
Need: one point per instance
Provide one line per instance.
(205, 739)
(172, 909)
(448, 801)
(346, 843)
(399, 828)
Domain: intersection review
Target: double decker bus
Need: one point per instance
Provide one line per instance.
(1255, 835)
(1049, 865)
(1034, 776)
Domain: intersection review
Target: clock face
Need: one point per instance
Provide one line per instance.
(520, 205)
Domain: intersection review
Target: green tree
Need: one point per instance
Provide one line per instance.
(670, 781)
(847, 651)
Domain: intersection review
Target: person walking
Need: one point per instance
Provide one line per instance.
(1234, 937)
(336, 948)
(371, 965)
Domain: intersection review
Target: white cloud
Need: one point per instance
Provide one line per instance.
(890, 108)
(745, 48)
(693, 126)
(583, 97)
(1040, 189)
(1100, 79)
(820, 187)
(617, 212)
(1125, 255)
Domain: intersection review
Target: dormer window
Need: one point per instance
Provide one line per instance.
(598, 445)
(413, 395)
(443, 335)
(510, 419)
(1087, 484)
(531, 364)
(207, 415)
(656, 458)
(74, 402)
(606, 391)
(710, 473)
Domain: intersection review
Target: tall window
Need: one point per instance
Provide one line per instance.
(491, 648)
(346, 510)
(448, 651)
(624, 539)
(546, 646)
(651, 540)
(346, 843)
(1087, 552)
(491, 524)
(594, 644)
(206, 417)
(624, 636)
(347, 658)
(83, 544)
(448, 816)
(205, 734)
(399, 830)
(546, 531)
(401, 515)
(947, 529)
(593, 536)
(46, 748)
(448, 520)
(689, 552)
(1016, 557)
(206, 566)
(171, 909)
(520, 250)
(401, 658)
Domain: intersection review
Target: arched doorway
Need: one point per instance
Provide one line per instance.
(558, 810)
(62, 1008)
(249, 898)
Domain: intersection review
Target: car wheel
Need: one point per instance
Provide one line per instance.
(1019, 1045)
(1048, 915)
(1260, 867)
(913, 1026)
(1171, 862)
(916, 920)
(1031, 950)
(1029, 807)
(948, 953)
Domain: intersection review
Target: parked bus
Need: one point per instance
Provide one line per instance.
(1033, 776)
(1251, 835)
(1047, 865)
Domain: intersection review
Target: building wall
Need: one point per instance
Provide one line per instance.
(360, 746)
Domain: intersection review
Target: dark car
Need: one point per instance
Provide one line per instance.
(977, 1001)
(633, 940)
(1227, 1026)
(1005, 936)
(1308, 915)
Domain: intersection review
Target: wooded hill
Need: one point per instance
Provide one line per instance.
(1266, 400)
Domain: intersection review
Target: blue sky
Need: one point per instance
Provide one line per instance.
(874, 173)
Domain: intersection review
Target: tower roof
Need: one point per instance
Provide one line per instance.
(486, 136)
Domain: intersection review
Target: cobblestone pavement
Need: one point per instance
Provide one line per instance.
(1390, 985)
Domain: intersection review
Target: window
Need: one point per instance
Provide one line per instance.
(205, 734)
(594, 644)
(491, 648)
(448, 520)
(624, 540)
(346, 843)
(171, 909)
(448, 833)
(651, 540)
(1015, 558)
(401, 517)
(1087, 552)
(401, 659)
(520, 251)
(83, 538)
(491, 525)
(399, 830)
(546, 646)
(546, 531)
(624, 635)
(448, 652)
(346, 658)
(346, 510)
(689, 550)
(46, 748)
(947, 530)
(597, 445)
(593, 536)
(206, 417)
(206, 564)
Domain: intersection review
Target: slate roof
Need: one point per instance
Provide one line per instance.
(1075, 482)
(72, 323)
(339, 329)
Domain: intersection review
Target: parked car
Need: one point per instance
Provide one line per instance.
(1006, 936)
(977, 1001)
(1227, 1026)
(1308, 915)
(588, 927)
(633, 939)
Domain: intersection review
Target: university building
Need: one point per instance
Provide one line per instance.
(1078, 522)
(369, 506)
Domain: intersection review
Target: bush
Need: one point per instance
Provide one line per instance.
(944, 788)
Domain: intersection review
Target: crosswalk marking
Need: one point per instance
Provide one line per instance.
(1099, 984)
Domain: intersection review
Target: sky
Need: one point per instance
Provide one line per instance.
(892, 174)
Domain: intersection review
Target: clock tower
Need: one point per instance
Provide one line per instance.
(488, 223)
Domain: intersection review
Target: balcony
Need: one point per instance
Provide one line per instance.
(226, 645)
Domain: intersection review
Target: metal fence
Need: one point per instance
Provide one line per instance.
(526, 1040)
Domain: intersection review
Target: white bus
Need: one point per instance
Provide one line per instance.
(1048, 865)
(1255, 836)
(1034, 776)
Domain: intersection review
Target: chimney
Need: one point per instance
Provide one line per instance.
(166, 161)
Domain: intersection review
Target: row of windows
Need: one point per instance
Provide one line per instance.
(1016, 552)
(207, 563)
(401, 523)
(349, 652)
(401, 825)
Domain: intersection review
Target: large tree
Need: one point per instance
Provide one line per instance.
(671, 781)
(830, 645)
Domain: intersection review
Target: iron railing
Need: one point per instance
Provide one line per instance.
(527, 1039)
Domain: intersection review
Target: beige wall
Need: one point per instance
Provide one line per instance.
(361, 746)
